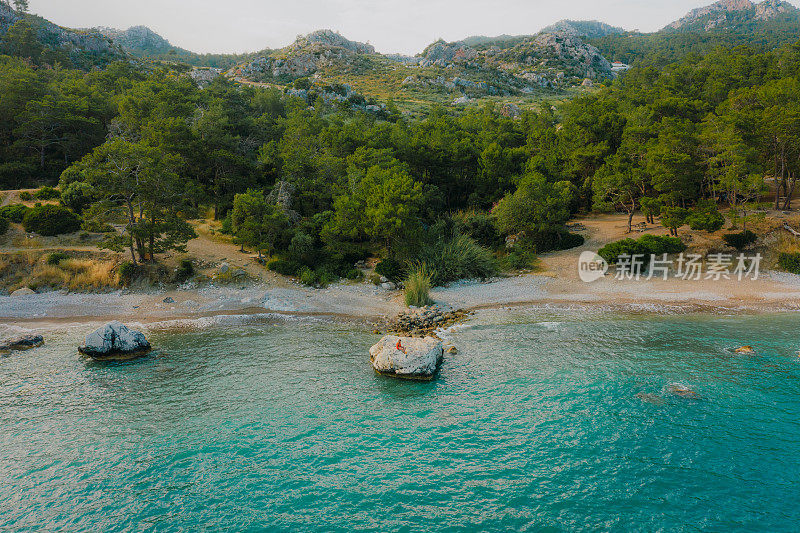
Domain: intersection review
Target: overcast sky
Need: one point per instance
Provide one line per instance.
(404, 26)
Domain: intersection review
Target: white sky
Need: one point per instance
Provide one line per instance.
(402, 26)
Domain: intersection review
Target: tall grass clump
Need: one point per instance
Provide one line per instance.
(458, 257)
(418, 286)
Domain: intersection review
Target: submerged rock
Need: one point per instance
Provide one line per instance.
(412, 358)
(682, 391)
(115, 341)
(23, 342)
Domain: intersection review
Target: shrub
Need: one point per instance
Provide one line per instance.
(457, 258)
(308, 277)
(519, 259)
(51, 220)
(185, 270)
(790, 262)
(660, 245)
(391, 269)
(55, 258)
(705, 218)
(78, 196)
(551, 240)
(25, 196)
(127, 272)
(741, 240)
(227, 225)
(284, 267)
(4, 224)
(14, 212)
(46, 193)
(418, 286)
(354, 274)
(480, 226)
(645, 246)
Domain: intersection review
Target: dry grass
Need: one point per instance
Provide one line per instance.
(30, 269)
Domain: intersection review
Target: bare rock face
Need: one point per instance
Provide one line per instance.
(115, 341)
(20, 343)
(413, 358)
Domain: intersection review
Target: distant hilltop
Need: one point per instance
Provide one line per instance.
(732, 13)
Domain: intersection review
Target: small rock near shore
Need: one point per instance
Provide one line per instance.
(23, 342)
(169, 300)
(115, 341)
(25, 291)
(416, 358)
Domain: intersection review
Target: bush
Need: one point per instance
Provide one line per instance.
(55, 258)
(96, 226)
(127, 272)
(286, 268)
(354, 274)
(14, 213)
(227, 225)
(4, 224)
(645, 246)
(458, 258)
(519, 259)
(707, 218)
(25, 196)
(480, 226)
(418, 287)
(185, 270)
(551, 240)
(741, 240)
(673, 218)
(391, 269)
(78, 196)
(47, 193)
(660, 245)
(790, 262)
(51, 220)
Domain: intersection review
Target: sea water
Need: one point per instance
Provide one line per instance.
(544, 420)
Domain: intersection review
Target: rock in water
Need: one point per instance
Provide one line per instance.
(23, 342)
(746, 350)
(115, 341)
(419, 360)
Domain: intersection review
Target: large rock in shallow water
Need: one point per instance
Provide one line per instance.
(417, 358)
(115, 341)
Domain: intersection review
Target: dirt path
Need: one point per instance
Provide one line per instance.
(210, 249)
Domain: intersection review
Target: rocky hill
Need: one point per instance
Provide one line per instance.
(82, 48)
(308, 55)
(139, 40)
(587, 29)
(733, 15)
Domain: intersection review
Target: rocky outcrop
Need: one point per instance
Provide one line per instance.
(21, 342)
(138, 40)
(331, 39)
(306, 56)
(115, 341)
(731, 13)
(423, 321)
(407, 357)
(89, 43)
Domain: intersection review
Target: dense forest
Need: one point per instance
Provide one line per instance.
(320, 185)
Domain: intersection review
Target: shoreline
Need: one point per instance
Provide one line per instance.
(774, 293)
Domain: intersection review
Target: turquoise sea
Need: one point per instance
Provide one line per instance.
(545, 420)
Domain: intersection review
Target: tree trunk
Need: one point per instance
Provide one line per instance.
(630, 221)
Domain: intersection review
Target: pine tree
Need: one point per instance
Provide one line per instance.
(21, 5)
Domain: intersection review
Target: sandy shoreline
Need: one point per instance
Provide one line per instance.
(360, 302)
